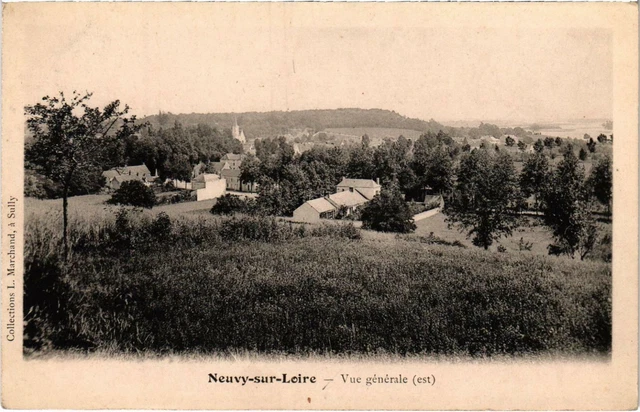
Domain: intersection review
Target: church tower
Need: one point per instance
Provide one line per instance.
(237, 132)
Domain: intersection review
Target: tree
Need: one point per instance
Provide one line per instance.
(583, 154)
(558, 141)
(434, 168)
(522, 146)
(230, 204)
(250, 169)
(535, 177)
(366, 141)
(72, 139)
(510, 141)
(549, 142)
(538, 146)
(602, 138)
(567, 209)
(360, 165)
(134, 193)
(486, 199)
(600, 181)
(465, 145)
(591, 145)
(388, 212)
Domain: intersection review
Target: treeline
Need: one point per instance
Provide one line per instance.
(173, 151)
(287, 180)
(276, 123)
(485, 193)
(273, 124)
(489, 196)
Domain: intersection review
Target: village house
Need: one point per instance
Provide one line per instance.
(314, 210)
(208, 186)
(217, 167)
(232, 177)
(366, 187)
(233, 161)
(249, 148)
(116, 176)
(348, 198)
(198, 170)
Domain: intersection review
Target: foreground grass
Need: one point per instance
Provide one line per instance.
(196, 286)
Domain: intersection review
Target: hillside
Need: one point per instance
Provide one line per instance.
(259, 285)
(269, 124)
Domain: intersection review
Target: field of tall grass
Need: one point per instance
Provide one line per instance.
(140, 282)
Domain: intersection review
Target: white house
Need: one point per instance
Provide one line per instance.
(208, 186)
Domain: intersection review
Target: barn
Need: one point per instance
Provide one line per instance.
(314, 210)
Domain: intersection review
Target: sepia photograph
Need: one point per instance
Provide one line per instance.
(326, 186)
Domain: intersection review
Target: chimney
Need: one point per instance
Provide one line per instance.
(377, 180)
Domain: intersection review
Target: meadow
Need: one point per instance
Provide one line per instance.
(375, 133)
(192, 283)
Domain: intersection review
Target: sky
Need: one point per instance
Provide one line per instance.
(199, 63)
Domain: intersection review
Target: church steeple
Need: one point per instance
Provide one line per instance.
(237, 132)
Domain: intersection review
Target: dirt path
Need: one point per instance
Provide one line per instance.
(424, 215)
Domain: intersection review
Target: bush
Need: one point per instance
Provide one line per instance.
(230, 204)
(523, 245)
(179, 197)
(347, 231)
(388, 212)
(134, 193)
(431, 240)
(257, 228)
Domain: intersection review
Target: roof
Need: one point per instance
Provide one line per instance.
(321, 205)
(363, 183)
(232, 156)
(121, 171)
(197, 169)
(110, 173)
(127, 177)
(231, 173)
(348, 198)
(206, 177)
(217, 166)
(142, 169)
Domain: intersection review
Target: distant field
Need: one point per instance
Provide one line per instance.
(539, 236)
(94, 205)
(375, 132)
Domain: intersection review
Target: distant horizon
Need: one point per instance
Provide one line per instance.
(444, 122)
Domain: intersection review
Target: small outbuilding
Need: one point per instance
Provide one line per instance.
(314, 210)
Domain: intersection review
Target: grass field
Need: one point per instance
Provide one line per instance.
(377, 133)
(152, 283)
(94, 205)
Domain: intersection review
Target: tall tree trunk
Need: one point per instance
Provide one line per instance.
(65, 221)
